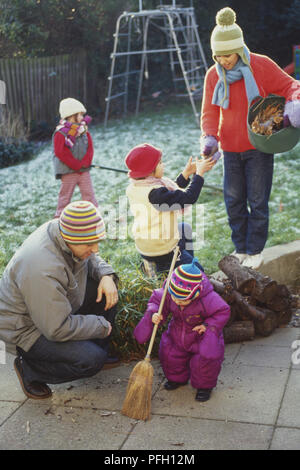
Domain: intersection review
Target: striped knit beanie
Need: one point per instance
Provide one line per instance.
(227, 37)
(186, 281)
(81, 223)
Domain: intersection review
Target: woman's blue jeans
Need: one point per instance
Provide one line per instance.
(58, 362)
(247, 187)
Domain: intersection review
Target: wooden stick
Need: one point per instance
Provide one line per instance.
(137, 403)
(162, 302)
(101, 167)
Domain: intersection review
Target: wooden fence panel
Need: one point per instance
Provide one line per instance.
(35, 86)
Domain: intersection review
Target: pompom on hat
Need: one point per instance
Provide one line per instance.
(186, 281)
(69, 106)
(227, 37)
(81, 223)
(142, 160)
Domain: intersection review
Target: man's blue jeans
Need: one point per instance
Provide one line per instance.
(55, 362)
(247, 187)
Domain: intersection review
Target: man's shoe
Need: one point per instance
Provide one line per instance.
(169, 385)
(34, 390)
(111, 362)
(254, 261)
(203, 394)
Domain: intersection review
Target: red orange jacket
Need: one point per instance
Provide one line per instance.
(63, 152)
(229, 125)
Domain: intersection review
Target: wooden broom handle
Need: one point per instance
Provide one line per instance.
(162, 301)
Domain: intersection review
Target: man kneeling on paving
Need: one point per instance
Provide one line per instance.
(58, 302)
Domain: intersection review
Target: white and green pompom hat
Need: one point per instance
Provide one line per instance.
(227, 37)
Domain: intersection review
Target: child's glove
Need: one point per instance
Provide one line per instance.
(87, 119)
(291, 114)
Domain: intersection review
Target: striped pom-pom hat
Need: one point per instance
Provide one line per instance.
(186, 281)
(81, 223)
(227, 37)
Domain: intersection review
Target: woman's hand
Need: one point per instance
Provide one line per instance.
(209, 145)
(291, 115)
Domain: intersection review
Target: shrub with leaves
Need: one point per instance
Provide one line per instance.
(15, 152)
(134, 293)
(14, 146)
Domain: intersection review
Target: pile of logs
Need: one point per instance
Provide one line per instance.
(258, 303)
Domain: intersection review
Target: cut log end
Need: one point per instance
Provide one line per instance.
(267, 326)
(239, 331)
(258, 304)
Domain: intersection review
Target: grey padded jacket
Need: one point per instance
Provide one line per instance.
(42, 287)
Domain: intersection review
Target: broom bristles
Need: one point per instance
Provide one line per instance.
(137, 403)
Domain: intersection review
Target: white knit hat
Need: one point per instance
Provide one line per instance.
(70, 106)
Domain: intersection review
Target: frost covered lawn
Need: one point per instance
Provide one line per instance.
(28, 192)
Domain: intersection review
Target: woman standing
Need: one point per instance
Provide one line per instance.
(237, 77)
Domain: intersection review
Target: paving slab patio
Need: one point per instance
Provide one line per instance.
(197, 434)
(254, 406)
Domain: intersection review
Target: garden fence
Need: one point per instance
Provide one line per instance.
(34, 86)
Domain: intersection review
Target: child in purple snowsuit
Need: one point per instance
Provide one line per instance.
(193, 346)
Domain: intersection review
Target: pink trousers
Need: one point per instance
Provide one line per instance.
(68, 184)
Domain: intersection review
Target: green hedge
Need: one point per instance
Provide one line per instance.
(12, 153)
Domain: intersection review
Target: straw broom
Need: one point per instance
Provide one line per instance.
(137, 403)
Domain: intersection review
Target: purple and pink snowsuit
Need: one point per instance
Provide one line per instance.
(183, 353)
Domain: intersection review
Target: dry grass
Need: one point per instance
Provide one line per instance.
(12, 127)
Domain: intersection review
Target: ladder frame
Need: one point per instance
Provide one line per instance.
(169, 15)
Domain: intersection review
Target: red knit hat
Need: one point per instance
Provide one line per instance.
(142, 160)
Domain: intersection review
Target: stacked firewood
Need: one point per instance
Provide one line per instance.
(258, 303)
(269, 120)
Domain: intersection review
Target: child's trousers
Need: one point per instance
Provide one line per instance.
(181, 365)
(186, 251)
(68, 183)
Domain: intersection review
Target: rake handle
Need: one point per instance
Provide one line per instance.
(101, 167)
(118, 170)
(162, 302)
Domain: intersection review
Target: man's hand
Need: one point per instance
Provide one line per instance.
(109, 289)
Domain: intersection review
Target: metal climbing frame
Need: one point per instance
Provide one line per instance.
(183, 45)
